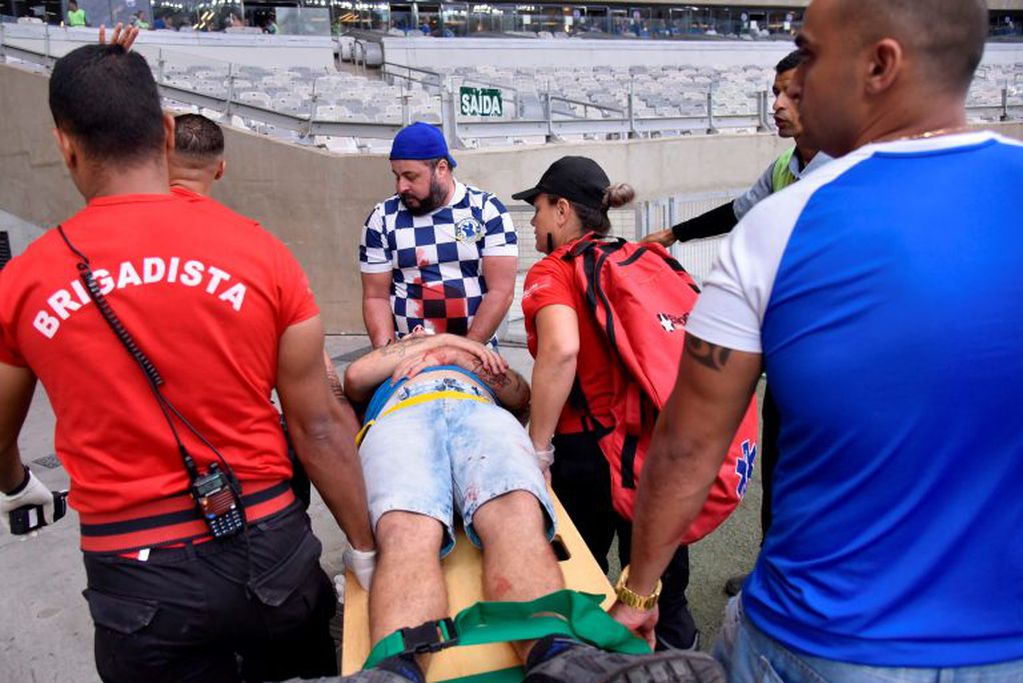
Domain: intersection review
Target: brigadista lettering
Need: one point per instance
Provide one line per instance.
(151, 270)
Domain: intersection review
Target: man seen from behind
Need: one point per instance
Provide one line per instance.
(197, 160)
(220, 313)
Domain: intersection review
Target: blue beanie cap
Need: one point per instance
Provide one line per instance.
(420, 141)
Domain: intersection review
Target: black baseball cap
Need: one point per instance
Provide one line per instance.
(578, 179)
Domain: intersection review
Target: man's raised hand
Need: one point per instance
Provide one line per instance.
(123, 35)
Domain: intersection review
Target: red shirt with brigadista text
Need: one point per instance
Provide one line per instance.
(552, 281)
(206, 293)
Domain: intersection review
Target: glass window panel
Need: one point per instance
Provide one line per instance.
(303, 21)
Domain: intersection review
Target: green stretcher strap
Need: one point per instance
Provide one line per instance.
(565, 612)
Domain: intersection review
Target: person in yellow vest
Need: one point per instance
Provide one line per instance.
(75, 15)
(788, 168)
(785, 170)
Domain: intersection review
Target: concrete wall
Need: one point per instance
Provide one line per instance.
(316, 202)
(432, 53)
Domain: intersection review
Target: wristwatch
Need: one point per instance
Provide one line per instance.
(626, 596)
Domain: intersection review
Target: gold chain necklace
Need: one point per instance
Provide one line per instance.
(927, 135)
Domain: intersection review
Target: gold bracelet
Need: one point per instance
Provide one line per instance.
(629, 597)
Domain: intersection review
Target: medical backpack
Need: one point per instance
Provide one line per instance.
(641, 298)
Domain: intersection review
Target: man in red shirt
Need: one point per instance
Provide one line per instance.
(221, 314)
(197, 160)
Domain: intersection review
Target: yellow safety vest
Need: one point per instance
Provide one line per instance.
(783, 176)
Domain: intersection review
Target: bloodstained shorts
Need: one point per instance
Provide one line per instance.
(432, 457)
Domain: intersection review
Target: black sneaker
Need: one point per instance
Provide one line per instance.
(587, 664)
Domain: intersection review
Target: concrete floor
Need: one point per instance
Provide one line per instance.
(46, 631)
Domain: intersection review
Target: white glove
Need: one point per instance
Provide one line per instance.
(362, 563)
(34, 493)
(545, 458)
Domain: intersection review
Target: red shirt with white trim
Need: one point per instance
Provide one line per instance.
(552, 281)
(206, 293)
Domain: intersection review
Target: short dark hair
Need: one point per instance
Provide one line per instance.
(197, 136)
(788, 62)
(948, 34)
(107, 99)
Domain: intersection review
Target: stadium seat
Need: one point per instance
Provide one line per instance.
(658, 91)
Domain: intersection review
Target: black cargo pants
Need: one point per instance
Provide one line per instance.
(225, 611)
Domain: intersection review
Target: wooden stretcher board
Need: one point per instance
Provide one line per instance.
(463, 572)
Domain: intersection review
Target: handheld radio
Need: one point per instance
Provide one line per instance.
(219, 505)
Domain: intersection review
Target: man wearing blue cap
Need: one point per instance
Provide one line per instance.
(438, 254)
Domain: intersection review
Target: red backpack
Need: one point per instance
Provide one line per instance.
(641, 298)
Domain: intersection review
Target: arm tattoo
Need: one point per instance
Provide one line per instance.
(401, 347)
(493, 381)
(709, 355)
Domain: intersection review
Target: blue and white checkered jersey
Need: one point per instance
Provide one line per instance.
(436, 259)
(885, 294)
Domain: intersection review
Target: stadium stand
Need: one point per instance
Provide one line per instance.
(346, 112)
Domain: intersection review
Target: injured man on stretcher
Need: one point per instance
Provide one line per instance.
(443, 434)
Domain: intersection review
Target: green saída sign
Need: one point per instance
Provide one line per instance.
(480, 102)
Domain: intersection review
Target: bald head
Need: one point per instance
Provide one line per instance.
(946, 37)
(875, 70)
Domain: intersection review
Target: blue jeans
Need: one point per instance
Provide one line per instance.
(751, 656)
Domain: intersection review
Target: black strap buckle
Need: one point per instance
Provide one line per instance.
(429, 637)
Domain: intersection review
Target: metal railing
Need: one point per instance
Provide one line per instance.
(411, 74)
(554, 125)
(697, 256)
(431, 82)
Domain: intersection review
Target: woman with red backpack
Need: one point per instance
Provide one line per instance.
(574, 376)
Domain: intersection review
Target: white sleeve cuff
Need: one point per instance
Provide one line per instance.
(375, 267)
(503, 250)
